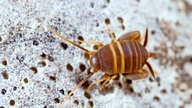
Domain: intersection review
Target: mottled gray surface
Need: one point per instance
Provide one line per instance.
(34, 64)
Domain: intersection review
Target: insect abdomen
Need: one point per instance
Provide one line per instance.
(123, 56)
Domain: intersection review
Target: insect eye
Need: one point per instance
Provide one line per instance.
(94, 62)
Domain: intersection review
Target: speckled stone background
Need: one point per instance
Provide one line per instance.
(38, 69)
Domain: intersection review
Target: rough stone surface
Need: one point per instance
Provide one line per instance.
(38, 69)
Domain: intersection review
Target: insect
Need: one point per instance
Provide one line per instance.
(124, 56)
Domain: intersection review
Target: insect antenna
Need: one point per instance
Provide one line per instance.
(57, 34)
(76, 87)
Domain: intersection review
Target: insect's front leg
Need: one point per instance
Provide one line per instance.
(107, 80)
(96, 82)
(96, 43)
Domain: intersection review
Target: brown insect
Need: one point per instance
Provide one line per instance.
(124, 56)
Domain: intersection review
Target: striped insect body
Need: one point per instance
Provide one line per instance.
(125, 56)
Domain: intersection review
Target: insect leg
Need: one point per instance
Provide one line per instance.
(146, 38)
(57, 34)
(76, 87)
(141, 74)
(111, 33)
(98, 81)
(150, 68)
(134, 35)
(97, 43)
(107, 80)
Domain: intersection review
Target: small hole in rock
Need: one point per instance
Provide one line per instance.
(50, 58)
(123, 27)
(69, 67)
(80, 38)
(20, 35)
(10, 33)
(153, 32)
(20, 58)
(4, 62)
(147, 90)
(129, 81)
(131, 90)
(91, 103)
(3, 91)
(158, 80)
(35, 43)
(97, 25)
(85, 85)
(64, 45)
(69, 92)
(87, 95)
(82, 67)
(95, 47)
(62, 91)
(120, 19)
(76, 102)
(150, 79)
(43, 55)
(12, 102)
(88, 71)
(92, 5)
(83, 104)
(14, 88)
(25, 80)
(190, 59)
(59, 19)
(56, 100)
(43, 63)
(163, 91)
(108, 1)
(139, 94)
(52, 78)
(5, 75)
(107, 21)
(156, 98)
(86, 55)
(34, 69)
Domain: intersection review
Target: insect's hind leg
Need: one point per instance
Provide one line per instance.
(134, 35)
(141, 74)
(151, 70)
(146, 38)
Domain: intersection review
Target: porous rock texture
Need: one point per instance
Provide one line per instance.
(38, 69)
